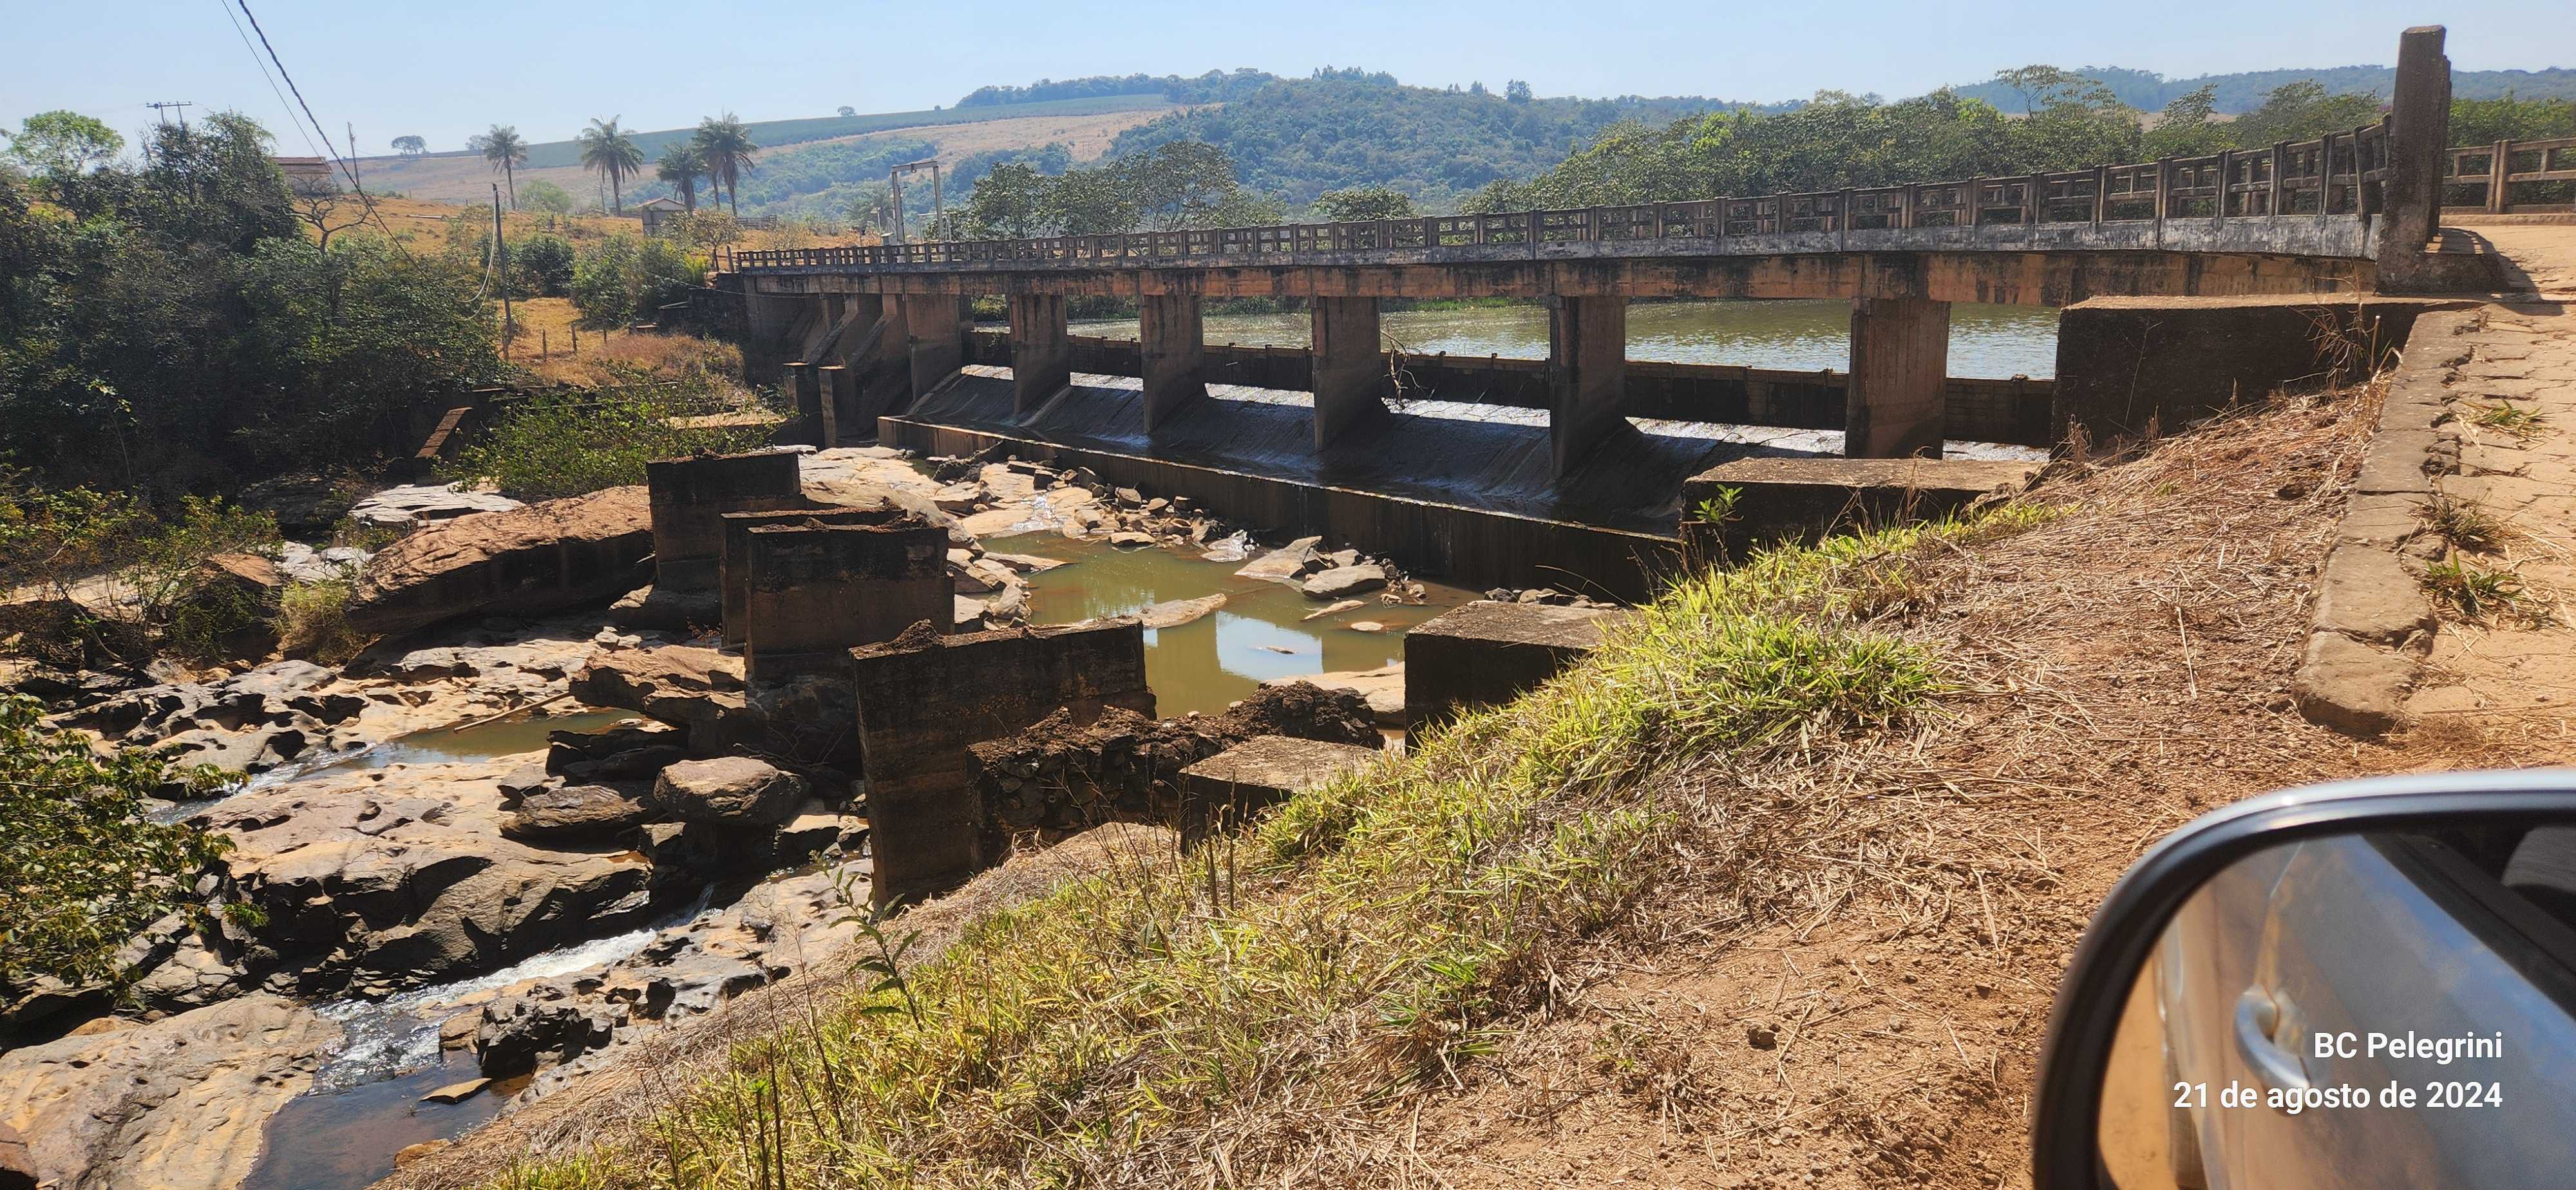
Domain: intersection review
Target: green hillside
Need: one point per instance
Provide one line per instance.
(2243, 92)
(772, 133)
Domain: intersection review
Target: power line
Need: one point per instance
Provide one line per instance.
(265, 76)
(298, 92)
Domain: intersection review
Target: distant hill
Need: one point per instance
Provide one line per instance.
(1343, 128)
(2243, 92)
(1216, 86)
(773, 133)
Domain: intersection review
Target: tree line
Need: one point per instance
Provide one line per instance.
(721, 152)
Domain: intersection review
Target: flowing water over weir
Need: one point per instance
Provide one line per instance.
(1996, 342)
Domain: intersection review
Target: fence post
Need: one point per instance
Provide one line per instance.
(2280, 162)
(2499, 167)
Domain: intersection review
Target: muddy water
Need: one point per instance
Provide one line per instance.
(348, 1138)
(1260, 633)
(1998, 342)
(437, 745)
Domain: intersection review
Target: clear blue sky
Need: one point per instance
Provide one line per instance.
(444, 69)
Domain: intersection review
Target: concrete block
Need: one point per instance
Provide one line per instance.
(1227, 789)
(1482, 653)
(2126, 365)
(690, 496)
(813, 591)
(1805, 499)
(2395, 462)
(2368, 594)
(2352, 687)
(733, 565)
(924, 697)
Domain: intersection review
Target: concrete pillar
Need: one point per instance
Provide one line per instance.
(2419, 130)
(1587, 374)
(689, 498)
(1900, 362)
(1041, 350)
(840, 391)
(805, 388)
(1349, 373)
(1174, 344)
(935, 334)
(767, 320)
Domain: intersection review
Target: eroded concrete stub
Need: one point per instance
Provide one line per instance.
(1231, 786)
(814, 590)
(690, 497)
(924, 697)
(733, 565)
(1482, 653)
(1805, 499)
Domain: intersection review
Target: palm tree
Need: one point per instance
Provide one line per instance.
(680, 166)
(728, 148)
(607, 149)
(503, 148)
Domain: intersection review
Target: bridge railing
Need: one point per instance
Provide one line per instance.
(2338, 174)
(2512, 176)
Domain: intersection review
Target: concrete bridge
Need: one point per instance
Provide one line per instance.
(860, 331)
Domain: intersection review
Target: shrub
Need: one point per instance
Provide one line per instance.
(81, 869)
(626, 277)
(543, 265)
(550, 446)
(542, 195)
(313, 621)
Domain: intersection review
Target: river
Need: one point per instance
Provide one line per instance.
(1995, 342)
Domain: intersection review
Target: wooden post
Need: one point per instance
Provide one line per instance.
(2499, 167)
(545, 349)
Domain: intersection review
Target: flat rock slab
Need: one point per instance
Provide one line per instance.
(1344, 580)
(1173, 613)
(526, 561)
(1383, 688)
(1284, 564)
(420, 504)
(1487, 652)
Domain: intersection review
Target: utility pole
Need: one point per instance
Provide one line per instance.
(166, 108)
(354, 183)
(938, 202)
(501, 269)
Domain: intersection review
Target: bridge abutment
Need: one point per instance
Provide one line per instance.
(1041, 349)
(935, 335)
(1900, 365)
(1349, 375)
(1587, 375)
(1173, 342)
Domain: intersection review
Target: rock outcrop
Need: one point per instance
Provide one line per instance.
(526, 561)
(728, 791)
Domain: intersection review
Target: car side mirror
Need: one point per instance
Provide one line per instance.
(2368, 983)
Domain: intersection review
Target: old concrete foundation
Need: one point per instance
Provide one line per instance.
(1349, 374)
(1900, 362)
(1803, 500)
(1484, 653)
(813, 591)
(1173, 341)
(923, 698)
(2133, 367)
(1229, 788)
(689, 498)
(935, 335)
(734, 567)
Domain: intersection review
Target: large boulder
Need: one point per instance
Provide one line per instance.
(544, 557)
(698, 690)
(182, 1101)
(728, 791)
(1344, 580)
(548, 1024)
(555, 814)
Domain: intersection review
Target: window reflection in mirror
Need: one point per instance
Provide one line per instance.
(2379, 1010)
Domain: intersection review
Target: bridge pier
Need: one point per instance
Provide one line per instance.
(935, 334)
(1041, 350)
(1900, 363)
(1348, 375)
(1173, 341)
(1587, 376)
(768, 320)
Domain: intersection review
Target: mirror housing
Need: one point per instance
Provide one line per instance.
(2114, 950)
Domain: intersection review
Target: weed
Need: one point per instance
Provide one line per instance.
(2476, 592)
(313, 621)
(1719, 509)
(2464, 522)
(2514, 421)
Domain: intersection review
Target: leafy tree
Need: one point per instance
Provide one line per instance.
(507, 151)
(848, 111)
(1007, 204)
(729, 151)
(1516, 91)
(2303, 110)
(608, 151)
(1363, 203)
(547, 447)
(629, 276)
(705, 230)
(544, 264)
(410, 146)
(545, 196)
(2186, 129)
(680, 166)
(2486, 121)
(59, 143)
(81, 869)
